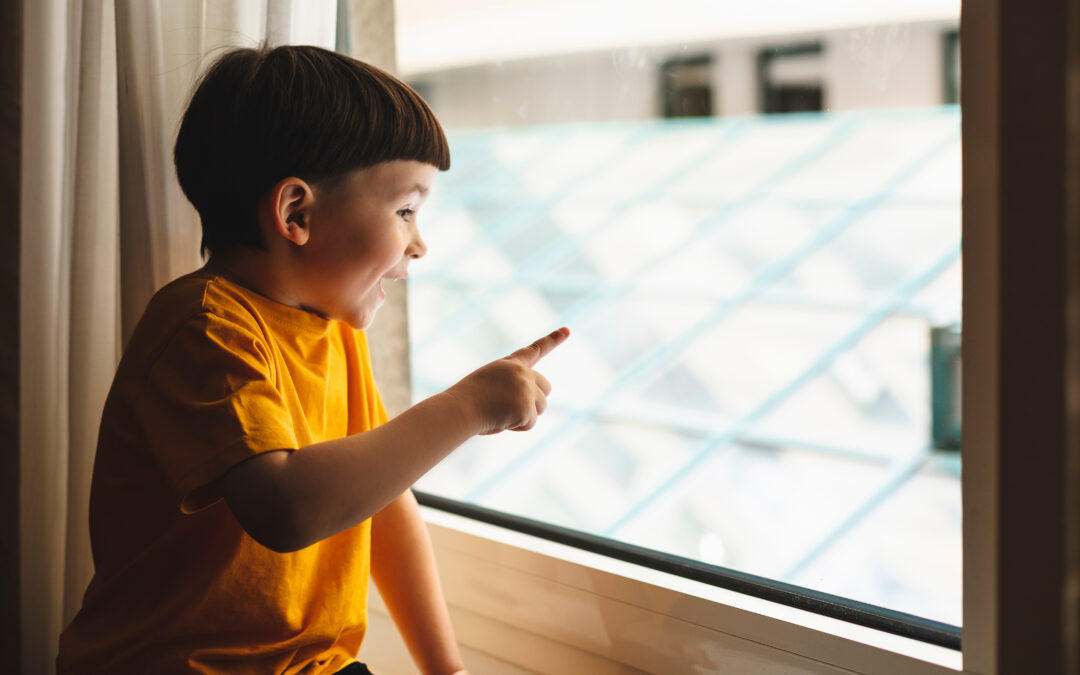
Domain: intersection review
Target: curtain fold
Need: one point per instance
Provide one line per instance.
(93, 337)
(103, 225)
(158, 57)
(43, 326)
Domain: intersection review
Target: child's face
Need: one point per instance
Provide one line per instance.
(362, 232)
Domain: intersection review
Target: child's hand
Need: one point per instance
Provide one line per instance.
(508, 393)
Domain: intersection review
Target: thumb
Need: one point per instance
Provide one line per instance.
(533, 353)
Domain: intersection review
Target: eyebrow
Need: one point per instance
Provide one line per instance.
(415, 188)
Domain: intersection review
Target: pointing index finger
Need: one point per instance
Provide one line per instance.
(539, 349)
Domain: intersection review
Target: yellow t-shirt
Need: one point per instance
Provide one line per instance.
(214, 374)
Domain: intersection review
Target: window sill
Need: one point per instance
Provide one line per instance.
(641, 618)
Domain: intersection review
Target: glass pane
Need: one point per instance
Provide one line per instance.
(751, 237)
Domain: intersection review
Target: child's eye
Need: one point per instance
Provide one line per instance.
(406, 213)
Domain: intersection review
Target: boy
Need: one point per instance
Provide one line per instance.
(243, 467)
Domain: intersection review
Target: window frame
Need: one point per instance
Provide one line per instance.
(778, 592)
(519, 599)
(1020, 534)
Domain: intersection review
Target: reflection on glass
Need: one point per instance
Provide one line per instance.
(751, 237)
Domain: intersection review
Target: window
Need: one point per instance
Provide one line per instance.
(753, 298)
(945, 387)
(951, 64)
(687, 90)
(790, 79)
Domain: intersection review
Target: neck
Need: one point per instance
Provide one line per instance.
(256, 271)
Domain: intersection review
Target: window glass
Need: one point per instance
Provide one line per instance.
(749, 216)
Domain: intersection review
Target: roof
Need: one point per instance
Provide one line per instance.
(750, 301)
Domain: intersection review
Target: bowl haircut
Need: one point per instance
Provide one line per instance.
(260, 115)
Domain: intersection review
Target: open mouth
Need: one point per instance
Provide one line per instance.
(390, 277)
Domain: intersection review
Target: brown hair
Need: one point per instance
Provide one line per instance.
(260, 115)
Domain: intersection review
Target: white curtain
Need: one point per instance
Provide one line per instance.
(103, 225)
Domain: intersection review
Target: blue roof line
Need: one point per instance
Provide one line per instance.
(612, 292)
(466, 153)
(770, 296)
(519, 216)
(901, 471)
(667, 352)
(902, 294)
(473, 308)
(494, 177)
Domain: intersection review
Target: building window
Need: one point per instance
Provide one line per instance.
(951, 61)
(945, 387)
(686, 87)
(789, 79)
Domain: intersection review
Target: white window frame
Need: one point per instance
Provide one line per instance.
(523, 604)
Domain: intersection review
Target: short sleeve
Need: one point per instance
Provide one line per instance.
(209, 401)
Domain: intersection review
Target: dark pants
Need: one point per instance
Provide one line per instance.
(356, 668)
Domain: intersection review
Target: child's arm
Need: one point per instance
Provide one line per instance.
(289, 500)
(403, 567)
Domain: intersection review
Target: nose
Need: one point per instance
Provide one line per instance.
(416, 248)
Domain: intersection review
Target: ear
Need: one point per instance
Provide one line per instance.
(291, 200)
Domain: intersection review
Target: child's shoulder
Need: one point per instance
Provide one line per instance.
(208, 302)
(198, 301)
(194, 295)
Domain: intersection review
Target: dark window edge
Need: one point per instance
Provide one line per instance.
(825, 604)
(11, 78)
